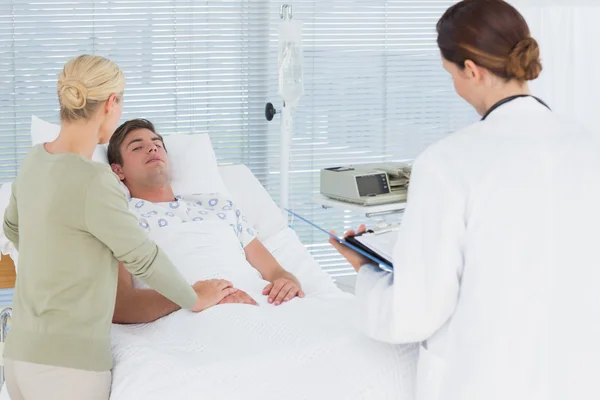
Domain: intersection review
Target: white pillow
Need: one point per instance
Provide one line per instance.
(43, 132)
(249, 194)
(194, 166)
(192, 159)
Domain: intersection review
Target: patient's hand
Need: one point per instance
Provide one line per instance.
(283, 289)
(211, 292)
(239, 297)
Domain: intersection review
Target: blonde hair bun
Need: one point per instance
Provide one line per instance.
(85, 83)
(524, 60)
(73, 95)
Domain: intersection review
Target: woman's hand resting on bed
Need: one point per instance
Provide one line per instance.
(283, 289)
(239, 297)
(211, 292)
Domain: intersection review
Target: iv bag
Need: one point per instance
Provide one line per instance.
(291, 82)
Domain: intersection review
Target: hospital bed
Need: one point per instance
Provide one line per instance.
(306, 349)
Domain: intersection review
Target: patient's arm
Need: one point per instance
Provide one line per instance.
(136, 306)
(284, 286)
(263, 261)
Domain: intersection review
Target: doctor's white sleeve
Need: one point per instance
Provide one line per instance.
(415, 301)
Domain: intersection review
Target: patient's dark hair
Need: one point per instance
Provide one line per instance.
(117, 139)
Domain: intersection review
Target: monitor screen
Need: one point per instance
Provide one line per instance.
(372, 185)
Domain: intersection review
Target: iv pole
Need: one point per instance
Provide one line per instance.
(286, 137)
(285, 14)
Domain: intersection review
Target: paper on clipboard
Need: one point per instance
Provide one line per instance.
(382, 244)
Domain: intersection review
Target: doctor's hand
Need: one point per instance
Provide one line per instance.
(283, 289)
(239, 297)
(211, 292)
(355, 259)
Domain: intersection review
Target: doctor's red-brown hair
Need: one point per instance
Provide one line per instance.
(492, 34)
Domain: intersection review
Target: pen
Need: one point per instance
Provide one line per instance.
(386, 230)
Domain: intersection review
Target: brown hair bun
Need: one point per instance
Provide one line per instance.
(524, 60)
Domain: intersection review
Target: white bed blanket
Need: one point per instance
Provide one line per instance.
(305, 349)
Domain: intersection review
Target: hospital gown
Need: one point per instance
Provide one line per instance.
(195, 208)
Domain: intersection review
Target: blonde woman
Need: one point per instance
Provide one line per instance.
(70, 222)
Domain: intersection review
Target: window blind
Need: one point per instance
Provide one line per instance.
(375, 89)
(190, 66)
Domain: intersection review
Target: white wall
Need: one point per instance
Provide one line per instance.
(568, 33)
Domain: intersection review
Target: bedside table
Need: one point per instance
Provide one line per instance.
(369, 211)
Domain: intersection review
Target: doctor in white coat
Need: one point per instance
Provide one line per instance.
(497, 266)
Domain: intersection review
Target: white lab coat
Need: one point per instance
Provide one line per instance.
(498, 262)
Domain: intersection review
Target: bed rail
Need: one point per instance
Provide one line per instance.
(5, 319)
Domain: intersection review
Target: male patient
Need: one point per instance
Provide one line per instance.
(138, 156)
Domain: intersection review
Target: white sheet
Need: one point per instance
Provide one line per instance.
(305, 349)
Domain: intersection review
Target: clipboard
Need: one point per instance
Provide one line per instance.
(354, 244)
